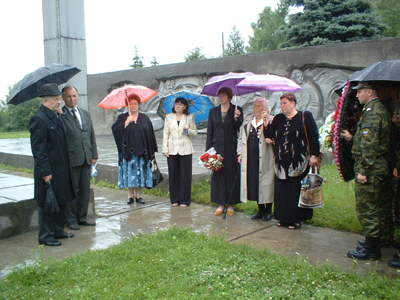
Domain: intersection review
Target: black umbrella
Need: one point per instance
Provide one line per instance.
(29, 87)
(51, 206)
(387, 70)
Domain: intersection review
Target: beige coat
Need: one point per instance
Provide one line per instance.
(266, 175)
(175, 141)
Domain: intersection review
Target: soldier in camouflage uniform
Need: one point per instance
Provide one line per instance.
(370, 147)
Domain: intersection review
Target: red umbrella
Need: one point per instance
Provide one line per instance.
(119, 97)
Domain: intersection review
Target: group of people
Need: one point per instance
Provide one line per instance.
(64, 148)
(375, 147)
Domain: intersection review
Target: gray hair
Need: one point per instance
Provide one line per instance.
(264, 102)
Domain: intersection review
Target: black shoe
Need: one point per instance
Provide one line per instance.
(394, 263)
(266, 217)
(73, 226)
(87, 223)
(50, 243)
(365, 254)
(258, 215)
(140, 200)
(65, 235)
(130, 200)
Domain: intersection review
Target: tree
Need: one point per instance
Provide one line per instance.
(332, 21)
(235, 45)
(266, 31)
(389, 10)
(195, 54)
(154, 62)
(137, 60)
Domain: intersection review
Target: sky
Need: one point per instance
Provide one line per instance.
(167, 30)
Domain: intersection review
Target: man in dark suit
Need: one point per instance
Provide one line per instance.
(82, 149)
(50, 152)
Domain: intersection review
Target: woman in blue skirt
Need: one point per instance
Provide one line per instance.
(136, 142)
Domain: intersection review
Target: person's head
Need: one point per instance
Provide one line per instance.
(70, 96)
(260, 104)
(133, 103)
(366, 91)
(51, 96)
(297, 76)
(288, 103)
(225, 95)
(181, 106)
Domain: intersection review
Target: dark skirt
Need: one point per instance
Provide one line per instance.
(287, 193)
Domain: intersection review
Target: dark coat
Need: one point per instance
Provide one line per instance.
(50, 151)
(82, 145)
(136, 139)
(223, 136)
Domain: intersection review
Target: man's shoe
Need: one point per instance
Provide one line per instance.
(258, 215)
(87, 223)
(266, 217)
(50, 243)
(394, 263)
(365, 254)
(65, 235)
(73, 226)
(140, 200)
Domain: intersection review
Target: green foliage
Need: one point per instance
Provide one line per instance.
(14, 134)
(137, 60)
(389, 10)
(17, 117)
(235, 45)
(180, 264)
(195, 54)
(332, 21)
(154, 62)
(266, 32)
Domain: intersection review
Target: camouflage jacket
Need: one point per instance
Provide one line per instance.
(371, 140)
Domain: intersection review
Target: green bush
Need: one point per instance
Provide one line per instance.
(16, 117)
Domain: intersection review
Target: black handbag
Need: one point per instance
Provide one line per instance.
(156, 174)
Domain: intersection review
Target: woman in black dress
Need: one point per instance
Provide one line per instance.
(293, 158)
(224, 122)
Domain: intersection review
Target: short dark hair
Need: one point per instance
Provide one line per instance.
(134, 97)
(290, 96)
(227, 91)
(67, 87)
(184, 102)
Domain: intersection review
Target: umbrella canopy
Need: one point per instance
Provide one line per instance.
(387, 70)
(28, 88)
(273, 83)
(119, 97)
(199, 106)
(230, 80)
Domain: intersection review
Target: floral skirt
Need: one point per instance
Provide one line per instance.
(135, 173)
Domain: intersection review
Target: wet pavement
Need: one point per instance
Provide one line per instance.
(116, 220)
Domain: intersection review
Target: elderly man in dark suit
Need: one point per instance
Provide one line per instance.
(82, 149)
(50, 152)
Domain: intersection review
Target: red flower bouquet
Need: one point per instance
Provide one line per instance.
(211, 160)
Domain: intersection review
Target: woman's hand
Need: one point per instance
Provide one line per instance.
(346, 135)
(186, 126)
(240, 159)
(237, 113)
(166, 154)
(128, 121)
(313, 161)
(269, 141)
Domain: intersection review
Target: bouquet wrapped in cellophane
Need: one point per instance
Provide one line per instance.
(211, 160)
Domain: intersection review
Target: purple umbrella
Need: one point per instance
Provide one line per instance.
(273, 83)
(229, 80)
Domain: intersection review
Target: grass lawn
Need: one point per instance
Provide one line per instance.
(15, 135)
(180, 264)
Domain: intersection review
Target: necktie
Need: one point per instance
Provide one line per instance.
(76, 116)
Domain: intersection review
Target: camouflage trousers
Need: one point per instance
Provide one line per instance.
(369, 205)
(388, 193)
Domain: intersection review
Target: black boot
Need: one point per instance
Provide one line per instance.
(268, 212)
(371, 250)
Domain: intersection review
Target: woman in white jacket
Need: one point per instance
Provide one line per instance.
(256, 157)
(179, 126)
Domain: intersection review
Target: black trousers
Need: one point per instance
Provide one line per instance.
(180, 178)
(50, 227)
(76, 211)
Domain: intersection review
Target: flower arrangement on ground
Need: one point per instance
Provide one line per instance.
(211, 160)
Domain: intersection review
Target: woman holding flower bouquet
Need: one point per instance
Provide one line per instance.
(224, 122)
(257, 162)
(179, 126)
